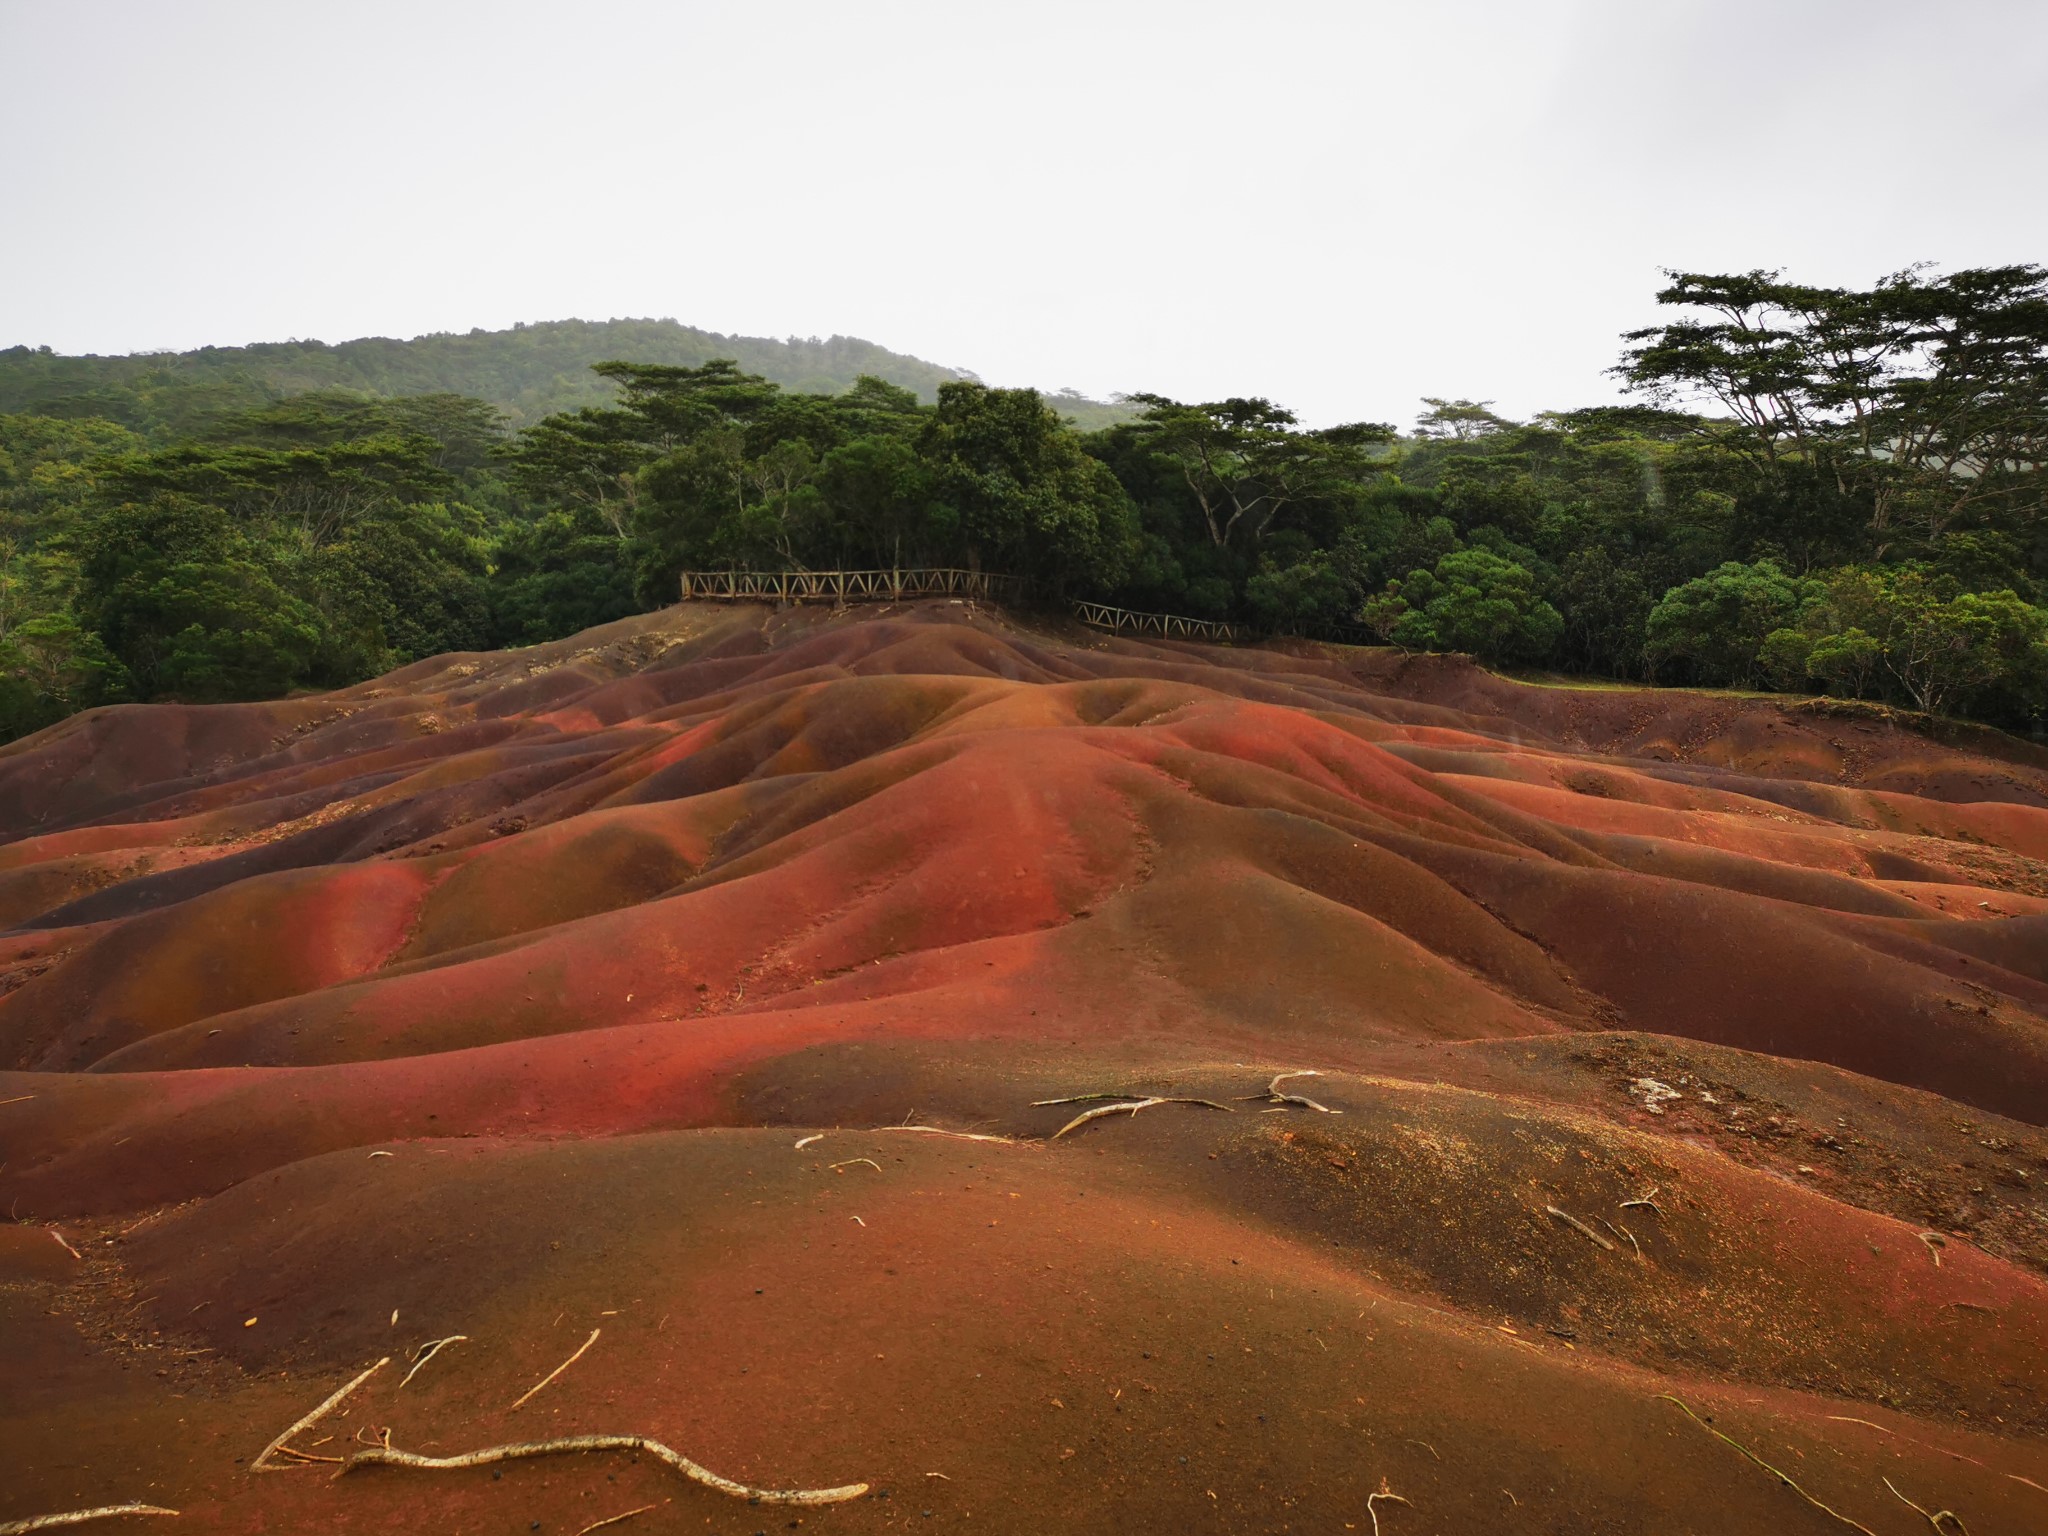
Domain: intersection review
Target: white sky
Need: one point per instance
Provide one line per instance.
(1341, 206)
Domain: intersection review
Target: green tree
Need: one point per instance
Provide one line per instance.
(1717, 623)
(187, 603)
(1474, 600)
(1026, 496)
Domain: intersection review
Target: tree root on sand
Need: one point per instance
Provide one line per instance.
(598, 1525)
(79, 1517)
(1373, 1498)
(1579, 1226)
(579, 1443)
(1273, 1095)
(278, 1447)
(1934, 1519)
(1130, 1106)
(551, 1375)
(1780, 1476)
(427, 1351)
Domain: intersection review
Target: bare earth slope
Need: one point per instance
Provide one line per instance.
(1682, 1068)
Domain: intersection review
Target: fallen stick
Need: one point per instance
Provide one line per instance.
(68, 1248)
(852, 1160)
(1649, 1200)
(23, 1099)
(806, 1141)
(1298, 1100)
(1373, 1498)
(1780, 1476)
(1623, 1232)
(551, 1375)
(1843, 1418)
(79, 1517)
(262, 1462)
(1579, 1226)
(427, 1351)
(939, 1130)
(1934, 1519)
(598, 1525)
(1934, 1243)
(1131, 1109)
(690, 1469)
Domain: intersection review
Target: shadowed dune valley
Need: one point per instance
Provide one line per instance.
(925, 1068)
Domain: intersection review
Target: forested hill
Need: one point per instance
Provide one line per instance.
(528, 372)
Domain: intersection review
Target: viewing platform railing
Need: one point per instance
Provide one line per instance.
(847, 586)
(843, 587)
(1168, 626)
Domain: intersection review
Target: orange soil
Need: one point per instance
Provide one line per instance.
(495, 997)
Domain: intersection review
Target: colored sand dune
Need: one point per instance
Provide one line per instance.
(1678, 1072)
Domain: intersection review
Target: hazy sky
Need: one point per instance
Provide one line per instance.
(1342, 206)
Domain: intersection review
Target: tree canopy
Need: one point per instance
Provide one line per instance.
(1816, 489)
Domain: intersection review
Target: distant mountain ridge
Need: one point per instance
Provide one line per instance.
(528, 371)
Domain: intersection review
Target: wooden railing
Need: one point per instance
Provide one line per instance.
(1168, 626)
(841, 587)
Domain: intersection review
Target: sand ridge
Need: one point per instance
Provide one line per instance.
(497, 994)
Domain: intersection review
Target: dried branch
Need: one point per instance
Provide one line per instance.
(79, 1517)
(852, 1160)
(427, 1351)
(939, 1130)
(1130, 1108)
(598, 1525)
(551, 1375)
(277, 1446)
(578, 1443)
(1649, 1200)
(59, 1236)
(1934, 1242)
(1579, 1226)
(1934, 1519)
(806, 1141)
(1623, 1232)
(1373, 1498)
(1780, 1476)
(1274, 1095)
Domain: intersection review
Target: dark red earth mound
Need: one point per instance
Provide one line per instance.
(1680, 1068)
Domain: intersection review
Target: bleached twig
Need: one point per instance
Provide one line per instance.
(1129, 1108)
(427, 1351)
(1298, 1101)
(1572, 1221)
(1934, 1519)
(1780, 1476)
(79, 1517)
(598, 1525)
(277, 1446)
(1373, 1498)
(940, 1130)
(551, 1375)
(690, 1469)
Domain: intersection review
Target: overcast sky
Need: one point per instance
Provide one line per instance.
(1342, 206)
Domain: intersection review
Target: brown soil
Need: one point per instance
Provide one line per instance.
(1672, 1049)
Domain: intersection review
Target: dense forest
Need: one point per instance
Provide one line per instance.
(1816, 490)
(528, 372)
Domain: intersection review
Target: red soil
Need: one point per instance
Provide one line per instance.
(493, 998)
